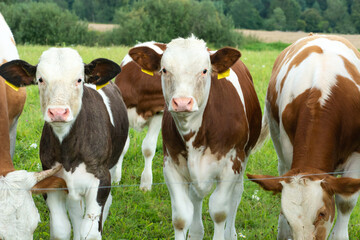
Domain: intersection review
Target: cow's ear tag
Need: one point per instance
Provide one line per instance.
(224, 74)
(147, 72)
(12, 86)
(98, 87)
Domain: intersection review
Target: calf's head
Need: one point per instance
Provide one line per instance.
(186, 67)
(307, 200)
(60, 75)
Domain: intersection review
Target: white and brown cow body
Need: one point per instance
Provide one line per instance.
(312, 108)
(142, 94)
(15, 99)
(209, 127)
(85, 132)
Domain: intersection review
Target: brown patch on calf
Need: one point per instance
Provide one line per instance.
(13, 41)
(141, 90)
(162, 46)
(224, 108)
(220, 217)
(49, 185)
(179, 224)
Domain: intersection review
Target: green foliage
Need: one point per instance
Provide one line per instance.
(276, 21)
(44, 23)
(245, 15)
(312, 19)
(164, 20)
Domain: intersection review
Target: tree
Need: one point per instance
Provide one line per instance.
(338, 17)
(292, 11)
(355, 15)
(277, 21)
(312, 19)
(245, 15)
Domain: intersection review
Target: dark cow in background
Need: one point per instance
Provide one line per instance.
(313, 113)
(145, 104)
(211, 122)
(15, 99)
(85, 132)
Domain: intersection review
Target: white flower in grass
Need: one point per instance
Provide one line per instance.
(263, 66)
(255, 196)
(242, 235)
(34, 145)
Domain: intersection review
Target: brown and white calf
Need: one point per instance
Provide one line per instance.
(312, 110)
(15, 99)
(209, 127)
(145, 104)
(19, 216)
(85, 132)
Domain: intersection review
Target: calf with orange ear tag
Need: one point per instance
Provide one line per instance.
(311, 110)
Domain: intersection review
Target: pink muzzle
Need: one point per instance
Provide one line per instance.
(58, 114)
(184, 104)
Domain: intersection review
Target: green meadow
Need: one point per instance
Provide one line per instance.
(138, 215)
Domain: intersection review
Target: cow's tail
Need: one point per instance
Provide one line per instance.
(264, 134)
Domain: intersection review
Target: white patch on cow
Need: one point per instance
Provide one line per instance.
(8, 49)
(151, 45)
(136, 121)
(316, 71)
(106, 102)
(60, 69)
(19, 216)
(300, 201)
(233, 78)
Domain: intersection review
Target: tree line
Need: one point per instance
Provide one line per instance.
(58, 22)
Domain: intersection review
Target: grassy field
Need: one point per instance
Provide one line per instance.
(138, 215)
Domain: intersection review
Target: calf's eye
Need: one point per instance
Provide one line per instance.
(164, 70)
(79, 80)
(204, 71)
(41, 80)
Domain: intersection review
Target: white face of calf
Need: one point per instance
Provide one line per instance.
(60, 75)
(308, 209)
(186, 67)
(186, 75)
(307, 202)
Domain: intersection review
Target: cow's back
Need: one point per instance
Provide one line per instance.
(314, 95)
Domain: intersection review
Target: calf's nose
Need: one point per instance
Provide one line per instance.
(58, 114)
(184, 104)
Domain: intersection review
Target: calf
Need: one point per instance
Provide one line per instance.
(15, 99)
(211, 122)
(85, 131)
(145, 103)
(312, 109)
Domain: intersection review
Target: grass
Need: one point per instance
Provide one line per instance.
(138, 215)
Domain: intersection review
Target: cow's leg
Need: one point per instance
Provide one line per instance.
(181, 205)
(95, 198)
(284, 164)
(115, 171)
(196, 230)
(345, 205)
(148, 150)
(76, 213)
(223, 205)
(60, 227)
(12, 133)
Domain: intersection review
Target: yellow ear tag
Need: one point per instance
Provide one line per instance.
(147, 72)
(12, 86)
(224, 74)
(98, 87)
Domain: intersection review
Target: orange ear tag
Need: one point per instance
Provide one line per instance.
(12, 86)
(98, 87)
(224, 74)
(147, 72)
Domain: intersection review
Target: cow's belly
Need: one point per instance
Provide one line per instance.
(79, 181)
(136, 121)
(205, 169)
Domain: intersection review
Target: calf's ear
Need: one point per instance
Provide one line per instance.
(100, 71)
(268, 183)
(344, 186)
(224, 58)
(147, 58)
(18, 72)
